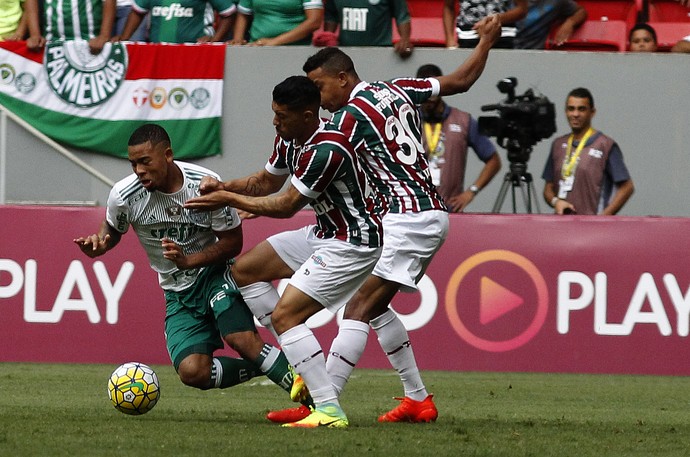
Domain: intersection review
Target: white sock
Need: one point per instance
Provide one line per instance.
(306, 356)
(395, 342)
(261, 298)
(346, 350)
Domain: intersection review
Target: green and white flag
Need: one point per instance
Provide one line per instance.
(94, 103)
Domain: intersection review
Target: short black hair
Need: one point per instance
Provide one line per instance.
(429, 71)
(643, 26)
(297, 93)
(149, 132)
(581, 92)
(331, 60)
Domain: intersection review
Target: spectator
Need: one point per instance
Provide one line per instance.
(642, 38)
(278, 22)
(472, 12)
(175, 23)
(447, 134)
(542, 15)
(682, 46)
(12, 20)
(365, 23)
(90, 20)
(585, 172)
(121, 13)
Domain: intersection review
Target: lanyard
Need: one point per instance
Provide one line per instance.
(432, 137)
(571, 160)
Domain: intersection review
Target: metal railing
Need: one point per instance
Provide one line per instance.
(4, 114)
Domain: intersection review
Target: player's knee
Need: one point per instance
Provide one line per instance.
(194, 374)
(246, 344)
(362, 308)
(280, 321)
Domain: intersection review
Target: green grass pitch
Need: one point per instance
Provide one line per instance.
(63, 410)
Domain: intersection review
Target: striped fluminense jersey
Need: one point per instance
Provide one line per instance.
(382, 122)
(326, 169)
(155, 215)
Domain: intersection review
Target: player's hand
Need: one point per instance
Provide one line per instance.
(173, 252)
(403, 49)
(96, 44)
(35, 44)
(457, 203)
(563, 33)
(564, 207)
(209, 202)
(93, 245)
(209, 184)
(489, 29)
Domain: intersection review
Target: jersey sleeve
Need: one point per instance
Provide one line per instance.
(225, 219)
(224, 7)
(400, 12)
(419, 90)
(312, 4)
(547, 174)
(117, 212)
(141, 6)
(615, 167)
(277, 164)
(481, 144)
(316, 170)
(246, 7)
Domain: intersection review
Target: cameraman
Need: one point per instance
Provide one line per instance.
(447, 133)
(585, 172)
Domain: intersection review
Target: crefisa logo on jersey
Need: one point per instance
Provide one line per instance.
(81, 78)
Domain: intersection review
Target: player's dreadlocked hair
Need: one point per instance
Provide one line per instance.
(149, 132)
(330, 60)
(298, 93)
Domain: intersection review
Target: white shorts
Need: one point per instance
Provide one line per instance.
(328, 270)
(410, 241)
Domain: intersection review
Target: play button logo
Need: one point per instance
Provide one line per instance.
(500, 307)
(496, 301)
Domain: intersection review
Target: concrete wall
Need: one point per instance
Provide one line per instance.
(641, 100)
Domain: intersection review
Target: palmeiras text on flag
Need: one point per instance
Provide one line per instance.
(94, 102)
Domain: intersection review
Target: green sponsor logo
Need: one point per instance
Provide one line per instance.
(139, 385)
(81, 78)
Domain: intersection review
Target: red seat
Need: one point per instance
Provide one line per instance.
(594, 35)
(668, 11)
(669, 33)
(628, 11)
(426, 31)
(425, 8)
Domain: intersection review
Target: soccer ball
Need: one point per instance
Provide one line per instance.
(133, 388)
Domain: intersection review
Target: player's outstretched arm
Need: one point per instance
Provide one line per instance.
(258, 184)
(99, 243)
(281, 206)
(460, 80)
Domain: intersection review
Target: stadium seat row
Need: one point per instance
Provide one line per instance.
(606, 28)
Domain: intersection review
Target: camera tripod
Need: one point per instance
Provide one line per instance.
(517, 177)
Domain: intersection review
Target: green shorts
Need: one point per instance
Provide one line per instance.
(197, 317)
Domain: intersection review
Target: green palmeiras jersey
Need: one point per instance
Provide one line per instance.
(179, 21)
(155, 215)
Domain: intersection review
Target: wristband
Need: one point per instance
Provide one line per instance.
(554, 200)
(474, 189)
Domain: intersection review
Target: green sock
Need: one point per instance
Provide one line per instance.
(228, 372)
(273, 363)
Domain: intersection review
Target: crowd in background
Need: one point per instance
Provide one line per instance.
(526, 23)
